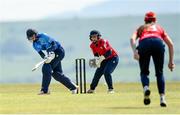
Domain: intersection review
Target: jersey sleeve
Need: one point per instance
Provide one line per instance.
(47, 38)
(37, 47)
(107, 49)
(94, 51)
(41, 54)
(105, 44)
(163, 33)
(52, 44)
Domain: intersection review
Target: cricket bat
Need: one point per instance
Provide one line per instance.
(38, 65)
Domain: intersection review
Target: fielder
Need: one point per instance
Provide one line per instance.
(52, 65)
(151, 37)
(106, 60)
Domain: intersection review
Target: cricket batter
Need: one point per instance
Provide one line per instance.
(106, 59)
(151, 37)
(52, 67)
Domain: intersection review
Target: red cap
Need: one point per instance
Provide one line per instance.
(150, 16)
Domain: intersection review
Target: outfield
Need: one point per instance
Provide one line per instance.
(127, 99)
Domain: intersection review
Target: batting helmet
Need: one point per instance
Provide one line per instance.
(150, 17)
(30, 33)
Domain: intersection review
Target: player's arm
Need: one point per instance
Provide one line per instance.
(94, 52)
(92, 62)
(51, 42)
(49, 57)
(52, 47)
(170, 45)
(95, 62)
(107, 47)
(133, 45)
(42, 54)
(38, 47)
(108, 53)
(133, 41)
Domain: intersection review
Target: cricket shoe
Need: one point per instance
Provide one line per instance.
(43, 93)
(111, 91)
(147, 93)
(75, 91)
(90, 91)
(163, 101)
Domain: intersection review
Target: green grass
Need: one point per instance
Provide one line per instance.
(23, 98)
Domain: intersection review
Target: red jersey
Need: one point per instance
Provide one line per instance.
(102, 47)
(153, 31)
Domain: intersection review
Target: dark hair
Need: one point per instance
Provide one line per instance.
(143, 27)
(94, 32)
(30, 33)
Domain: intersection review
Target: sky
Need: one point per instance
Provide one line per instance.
(17, 10)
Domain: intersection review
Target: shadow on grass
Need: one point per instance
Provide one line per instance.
(130, 107)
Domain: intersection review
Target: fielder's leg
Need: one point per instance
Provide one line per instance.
(110, 67)
(158, 58)
(96, 78)
(144, 51)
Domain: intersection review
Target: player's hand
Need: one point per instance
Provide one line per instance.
(50, 57)
(136, 55)
(171, 66)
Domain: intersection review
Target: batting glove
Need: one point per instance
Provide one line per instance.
(50, 57)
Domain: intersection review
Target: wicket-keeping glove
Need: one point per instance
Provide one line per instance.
(96, 62)
(92, 63)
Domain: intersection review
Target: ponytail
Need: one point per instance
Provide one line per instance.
(143, 27)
